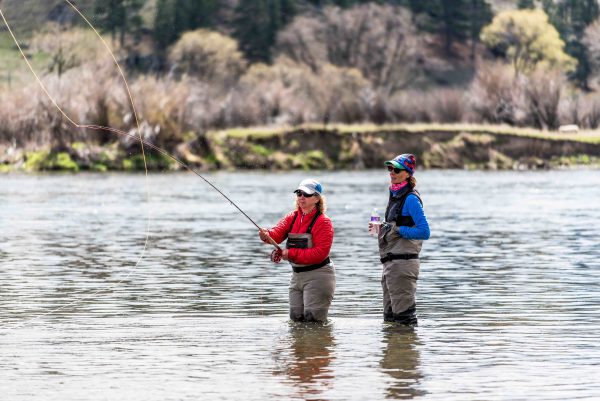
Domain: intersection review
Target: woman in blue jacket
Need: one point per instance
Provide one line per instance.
(401, 237)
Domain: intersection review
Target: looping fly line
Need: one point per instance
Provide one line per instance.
(116, 131)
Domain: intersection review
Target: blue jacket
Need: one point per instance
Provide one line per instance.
(413, 208)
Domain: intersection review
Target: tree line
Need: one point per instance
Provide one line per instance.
(255, 24)
(249, 63)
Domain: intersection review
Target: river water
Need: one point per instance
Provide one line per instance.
(508, 297)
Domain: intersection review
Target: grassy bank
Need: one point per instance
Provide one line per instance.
(581, 136)
(333, 147)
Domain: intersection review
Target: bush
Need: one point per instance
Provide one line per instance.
(209, 56)
(543, 92)
(410, 106)
(448, 105)
(290, 93)
(583, 111)
(495, 96)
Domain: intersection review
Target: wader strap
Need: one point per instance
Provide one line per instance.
(310, 226)
(403, 256)
(293, 221)
(311, 267)
(312, 223)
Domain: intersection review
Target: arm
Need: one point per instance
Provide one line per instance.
(421, 228)
(280, 231)
(322, 239)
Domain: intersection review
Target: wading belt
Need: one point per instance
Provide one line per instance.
(308, 268)
(403, 256)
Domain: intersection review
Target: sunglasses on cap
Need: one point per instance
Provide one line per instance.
(394, 169)
(302, 193)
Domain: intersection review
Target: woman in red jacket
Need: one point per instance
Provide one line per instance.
(309, 234)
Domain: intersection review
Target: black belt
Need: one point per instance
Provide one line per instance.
(308, 268)
(403, 256)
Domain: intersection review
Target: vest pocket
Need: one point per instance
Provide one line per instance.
(301, 243)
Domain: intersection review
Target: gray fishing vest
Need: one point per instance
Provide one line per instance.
(390, 241)
(303, 241)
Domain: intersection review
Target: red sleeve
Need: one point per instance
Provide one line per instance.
(282, 228)
(322, 233)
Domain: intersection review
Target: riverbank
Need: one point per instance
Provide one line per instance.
(334, 147)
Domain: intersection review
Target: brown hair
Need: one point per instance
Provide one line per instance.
(412, 182)
(321, 204)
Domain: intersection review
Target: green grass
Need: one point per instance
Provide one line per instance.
(261, 150)
(257, 132)
(155, 162)
(582, 136)
(46, 161)
(13, 69)
(5, 168)
(25, 17)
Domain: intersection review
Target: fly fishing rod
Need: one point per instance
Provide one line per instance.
(276, 254)
(182, 164)
(120, 132)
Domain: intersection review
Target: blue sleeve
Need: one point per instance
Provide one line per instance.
(413, 208)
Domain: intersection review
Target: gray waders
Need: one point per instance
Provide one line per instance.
(400, 258)
(311, 286)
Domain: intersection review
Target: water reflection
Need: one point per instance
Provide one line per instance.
(304, 357)
(498, 276)
(401, 361)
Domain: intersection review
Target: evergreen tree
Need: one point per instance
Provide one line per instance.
(524, 4)
(257, 23)
(571, 17)
(480, 15)
(194, 14)
(119, 17)
(454, 20)
(165, 31)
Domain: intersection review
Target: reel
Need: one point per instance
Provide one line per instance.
(276, 256)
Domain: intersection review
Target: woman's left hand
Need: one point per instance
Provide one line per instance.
(284, 254)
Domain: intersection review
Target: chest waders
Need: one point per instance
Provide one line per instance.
(400, 258)
(311, 286)
(304, 241)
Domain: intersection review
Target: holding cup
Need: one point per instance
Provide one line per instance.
(375, 223)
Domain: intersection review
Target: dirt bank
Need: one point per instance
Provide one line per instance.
(348, 148)
(354, 147)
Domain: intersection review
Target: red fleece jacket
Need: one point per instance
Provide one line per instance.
(322, 236)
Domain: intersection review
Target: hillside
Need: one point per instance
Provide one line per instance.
(26, 15)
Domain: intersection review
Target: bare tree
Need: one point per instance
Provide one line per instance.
(379, 41)
(543, 93)
(591, 40)
(496, 95)
(67, 48)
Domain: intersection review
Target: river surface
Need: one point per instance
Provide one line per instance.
(508, 298)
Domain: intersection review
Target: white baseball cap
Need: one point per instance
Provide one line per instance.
(310, 186)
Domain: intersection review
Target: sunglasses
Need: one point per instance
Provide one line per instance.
(394, 169)
(302, 193)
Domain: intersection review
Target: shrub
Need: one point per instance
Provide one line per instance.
(209, 56)
(495, 96)
(410, 106)
(543, 92)
(448, 105)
